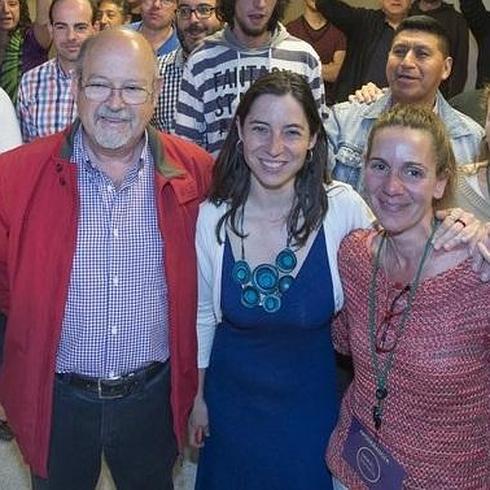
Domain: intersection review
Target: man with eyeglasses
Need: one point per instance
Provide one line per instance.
(252, 44)
(196, 19)
(98, 281)
(45, 103)
(157, 25)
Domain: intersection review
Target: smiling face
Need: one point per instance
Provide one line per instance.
(416, 67)
(72, 24)
(251, 20)
(276, 137)
(9, 14)
(119, 61)
(194, 29)
(400, 178)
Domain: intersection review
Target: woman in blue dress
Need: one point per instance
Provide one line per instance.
(267, 241)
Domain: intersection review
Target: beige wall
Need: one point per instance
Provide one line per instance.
(295, 9)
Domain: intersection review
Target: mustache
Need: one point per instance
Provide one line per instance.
(195, 29)
(120, 114)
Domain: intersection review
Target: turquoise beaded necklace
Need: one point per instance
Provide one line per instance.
(265, 284)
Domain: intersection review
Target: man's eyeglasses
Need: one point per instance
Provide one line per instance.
(387, 332)
(202, 11)
(131, 95)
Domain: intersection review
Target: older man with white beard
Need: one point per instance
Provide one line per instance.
(98, 281)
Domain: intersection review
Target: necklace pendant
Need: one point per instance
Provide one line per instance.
(286, 260)
(381, 393)
(271, 303)
(377, 417)
(265, 278)
(241, 272)
(250, 297)
(285, 283)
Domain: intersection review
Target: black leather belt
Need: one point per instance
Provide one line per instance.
(111, 388)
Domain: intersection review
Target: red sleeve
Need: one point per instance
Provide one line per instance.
(340, 41)
(4, 289)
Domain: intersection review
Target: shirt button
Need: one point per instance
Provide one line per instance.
(115, 281)
(114, 330)
(112, 373)
(110, 188)
(116, 232)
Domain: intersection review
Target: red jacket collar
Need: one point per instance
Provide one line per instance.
(168, 172)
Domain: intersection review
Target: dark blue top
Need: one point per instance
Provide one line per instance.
(270, 386)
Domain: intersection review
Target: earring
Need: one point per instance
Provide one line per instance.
(309, 156)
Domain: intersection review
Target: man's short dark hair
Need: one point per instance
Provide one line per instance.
(122, 5)
(225, 11)
(56, 2)
(424, 23)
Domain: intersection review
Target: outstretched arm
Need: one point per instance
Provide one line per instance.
(460, 227)
(477, 16)
(40, 25)
(330, 71)
(342, 15)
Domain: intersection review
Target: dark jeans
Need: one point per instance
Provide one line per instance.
(134, 433)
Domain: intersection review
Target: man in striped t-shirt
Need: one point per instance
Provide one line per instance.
(224, 67)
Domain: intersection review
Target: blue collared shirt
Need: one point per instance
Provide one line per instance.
(116, 314)
(349, 124)
(169, 45)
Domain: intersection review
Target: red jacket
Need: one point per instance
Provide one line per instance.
(38, 228)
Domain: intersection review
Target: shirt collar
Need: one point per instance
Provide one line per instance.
(61, 73)
(81, 157)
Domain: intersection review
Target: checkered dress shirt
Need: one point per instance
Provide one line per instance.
(45, 104)
(170, 68)
(116, 314)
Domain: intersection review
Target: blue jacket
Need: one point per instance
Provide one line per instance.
(349, 124)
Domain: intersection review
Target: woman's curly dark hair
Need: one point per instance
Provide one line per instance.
(225, 11)
(24, 17)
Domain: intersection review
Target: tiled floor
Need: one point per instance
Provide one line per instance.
(14, 474)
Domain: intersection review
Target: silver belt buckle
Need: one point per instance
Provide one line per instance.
(100, 393)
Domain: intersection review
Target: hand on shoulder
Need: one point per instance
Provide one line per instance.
(367, 94)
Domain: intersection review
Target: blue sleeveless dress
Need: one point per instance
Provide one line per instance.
(270, 386)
